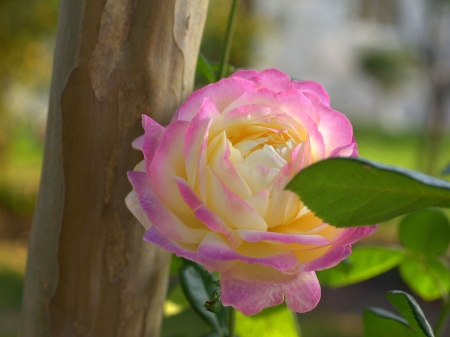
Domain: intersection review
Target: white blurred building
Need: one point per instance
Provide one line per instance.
(324, 40)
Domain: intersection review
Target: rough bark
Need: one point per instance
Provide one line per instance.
(89, 273)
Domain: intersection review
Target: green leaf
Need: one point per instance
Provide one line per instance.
(427, 277)
(411, 311)
(426, 232)
(205, 69)
(382, 323)
(277, 321)
(363, 264)
(348, 192)
(198, 286)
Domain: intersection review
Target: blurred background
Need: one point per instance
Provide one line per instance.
(385, 64)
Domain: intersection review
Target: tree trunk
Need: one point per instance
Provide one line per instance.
(89, 273)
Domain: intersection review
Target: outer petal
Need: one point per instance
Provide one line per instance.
(133, 205)
(222, 93)
(163, 219)
(168, 163)
(251, 287)
(330, 259)
(152, 137)
(334, 126)
(341, 248)
(272, 79)
(137, 143)
(153, 236)
(215, 247)
(312, 88)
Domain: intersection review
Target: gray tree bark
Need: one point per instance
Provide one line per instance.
(89, 273)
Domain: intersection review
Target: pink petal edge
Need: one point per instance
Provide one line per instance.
(250, 288)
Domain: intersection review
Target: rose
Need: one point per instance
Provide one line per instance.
(211, 187)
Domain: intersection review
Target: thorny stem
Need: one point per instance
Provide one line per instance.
(226, 48)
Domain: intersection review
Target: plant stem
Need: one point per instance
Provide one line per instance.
(226, 48)
(442, 320)
(231, 322)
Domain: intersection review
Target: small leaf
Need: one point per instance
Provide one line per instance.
(427, 277)
(411, 311)
(272, 322)
(382, 323)
(348, 192)
(363, 264)
(198, 287)
(205, 69)
(426, 232)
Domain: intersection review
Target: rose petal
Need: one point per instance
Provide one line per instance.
(132, 202)
(259, 202)
(222, 93)
(152, 137)
(250, 288)
(311, 87)
(272, 79)
(219, 161)
(334, 126)
(167, 163)
(257, 236)
(164, 220)
(206, 215)
(196, 139)
(214, 247)
(137, 143)
(291, 102)
(186, 251)
(228, 206)
(330, 259)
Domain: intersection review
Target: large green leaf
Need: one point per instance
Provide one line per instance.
(427, 277)
(364, 263)
(382, 323)
(348, 192)
(278, 321)
(411, 311)
(426, 232)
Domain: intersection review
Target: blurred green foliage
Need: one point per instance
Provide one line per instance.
(25, 27)
(27, 31)
(388, 67)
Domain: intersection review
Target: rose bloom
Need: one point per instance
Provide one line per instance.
(211, 187)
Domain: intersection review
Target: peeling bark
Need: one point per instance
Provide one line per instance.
(89, 273)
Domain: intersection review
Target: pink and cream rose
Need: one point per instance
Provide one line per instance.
(211, 187)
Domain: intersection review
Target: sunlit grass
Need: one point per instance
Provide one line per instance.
(399, 149)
